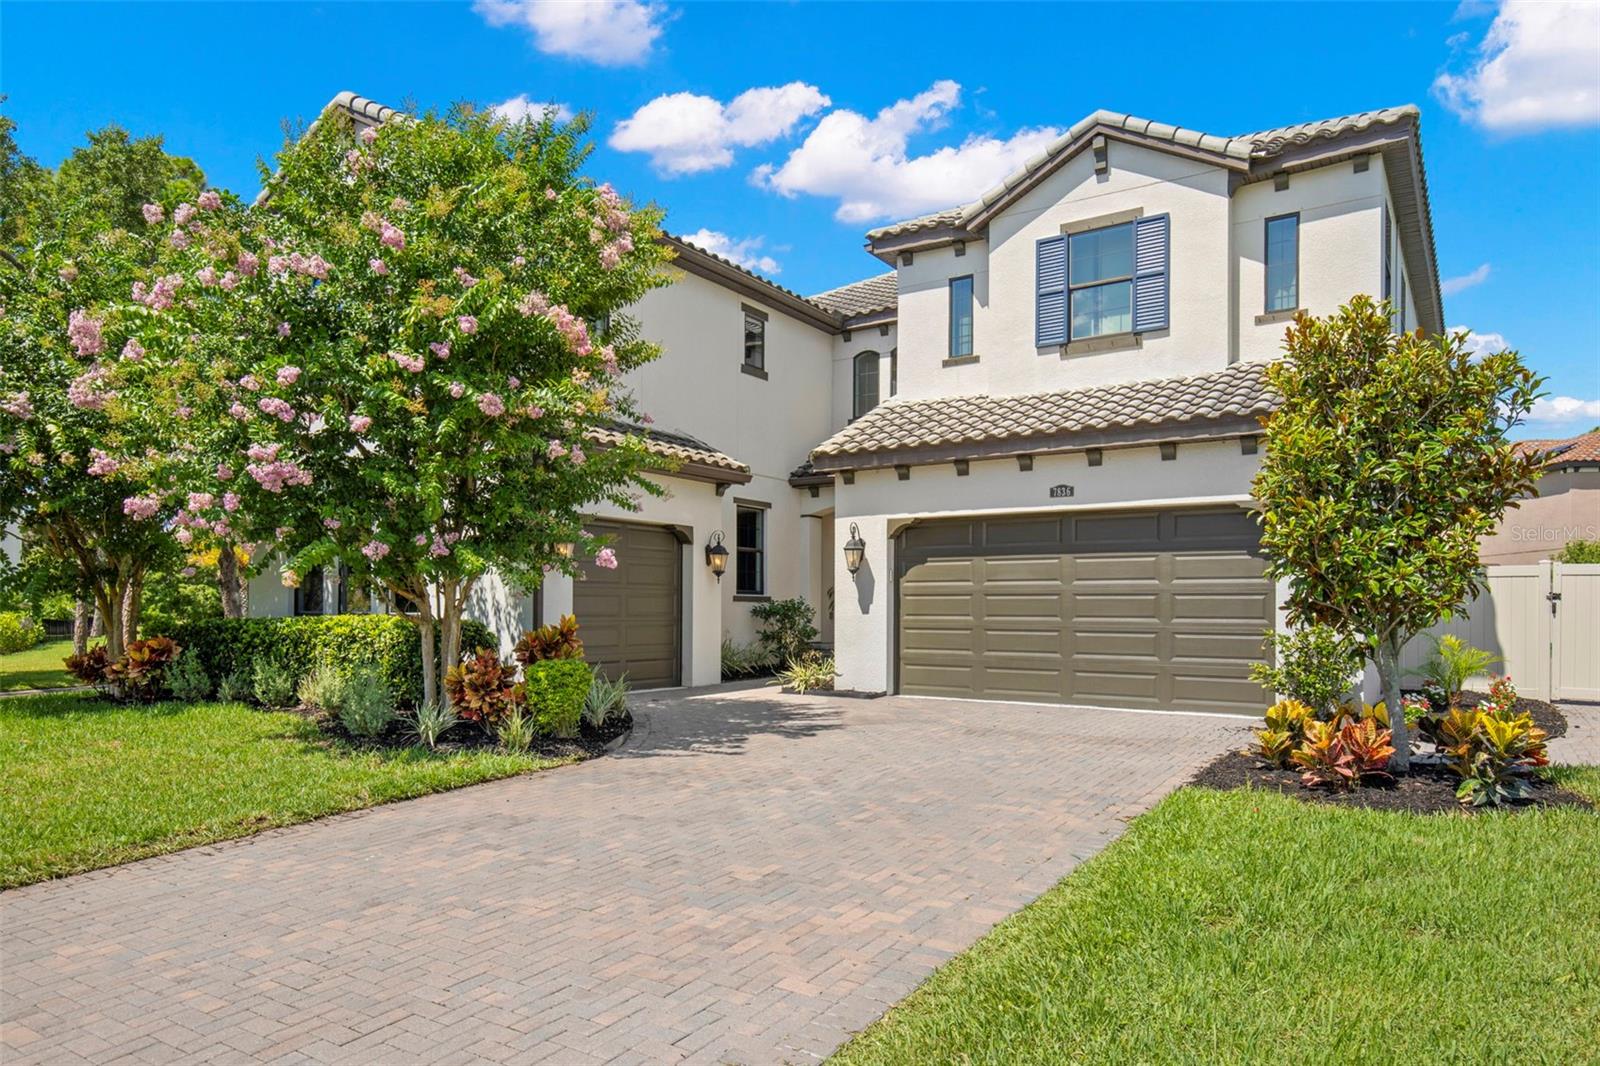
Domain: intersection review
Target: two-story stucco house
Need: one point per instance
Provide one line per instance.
(1040, 423)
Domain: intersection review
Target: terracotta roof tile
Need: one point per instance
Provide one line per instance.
(678, 447)
(863, 297)
(955, 421)
(1582, 449)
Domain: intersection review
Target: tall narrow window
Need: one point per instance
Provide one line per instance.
(1283, 263)
(866, 384)
(1100, 280)
(750, 574)
(755, 339)
(310, 596)
(894, 372)
(960, 317)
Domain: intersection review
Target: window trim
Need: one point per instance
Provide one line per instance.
(950, 310)
(1128, 280)
(856, 364)
(1266, 264)
(760, 363)
(759, 550)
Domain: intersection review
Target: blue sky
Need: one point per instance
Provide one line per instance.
(863, 112)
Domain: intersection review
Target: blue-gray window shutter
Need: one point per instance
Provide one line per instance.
(1151, 265)
(1050, 286)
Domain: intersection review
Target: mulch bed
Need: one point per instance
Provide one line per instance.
(1427, 789)
(468, 736)
(1545, 715)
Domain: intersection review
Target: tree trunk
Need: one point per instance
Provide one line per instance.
(132, 604)
(82, 623)
(109, 601)
(1387, 656)
(430, 674)
(228, 582)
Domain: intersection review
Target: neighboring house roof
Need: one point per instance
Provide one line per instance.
(865, 297)
(693, 458)
(897, 432)
(1250, 156)
(1580, 451)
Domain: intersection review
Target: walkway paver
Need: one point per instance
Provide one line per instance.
(1581, 744)
(751, 879)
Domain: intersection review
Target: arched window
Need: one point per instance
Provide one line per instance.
(866, 384)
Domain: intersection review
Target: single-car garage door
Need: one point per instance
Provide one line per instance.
(630, 618)
(1153, 609)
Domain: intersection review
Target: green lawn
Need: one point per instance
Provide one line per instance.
(86, 783)
(38, 667)
(1238, 927)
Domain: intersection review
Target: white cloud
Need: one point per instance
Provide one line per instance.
(612, 33)
(1537, 68)
(1481, 343)
(519, 107)
(865, 163)
(685, 133)
(746, 251)
(1451, 286)
(1563, 409)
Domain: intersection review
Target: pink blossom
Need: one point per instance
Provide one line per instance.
(185, 412)
(68, 274)
(230, 501)
(288, 375)
(17, 405)
(141, 508)
(188, 571)
(84, 333)
(158, 297)
(353, 159)
(577, 455)
(535, 303)
(247, 263)
(413, 363)
(332, 523)
(605, 559)
(179, 239)
(420, 539)
(392, 236)
(283, 329)
(101, 464)
(519, 261)
(438, 548)
(84, 393)
(610, 258)
(274, 476)
(240, 411)
(229, 282)
(378, 267)
(210, 200)
(399, 203)
(206, 275)
(369, 135)
(549, 194)
(373, 221)
(491, 405)
(263, 453)
(375, 550)
(277, 264)
(182, 214)
(467, 324)
(183, 536)
(289, 579)
(360, 423)
(221, 528)
(514, 382)
(533, 410)
(251, 382)
(201, 501)
(224, 472)
(440, 349)
(556, 450)
(467, 280)
(457, 389)
(153, 213)
(133, 351)
(279, 409)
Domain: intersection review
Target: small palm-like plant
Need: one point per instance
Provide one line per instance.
(1452, 663)
(807, 674)
(515, 730)
(432, 721)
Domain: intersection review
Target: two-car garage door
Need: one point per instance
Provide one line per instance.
(1154, 609)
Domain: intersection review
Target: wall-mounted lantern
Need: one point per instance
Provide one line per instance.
(565, 549)
(717, 556)
(854, 549)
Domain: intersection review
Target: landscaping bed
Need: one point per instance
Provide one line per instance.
(589, 743)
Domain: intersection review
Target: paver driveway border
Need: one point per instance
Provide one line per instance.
(751, 878)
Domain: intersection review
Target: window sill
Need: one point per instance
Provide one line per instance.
(1113, 342)
(1277, 316)
(960, 360)
(751, 597)
(753, 371)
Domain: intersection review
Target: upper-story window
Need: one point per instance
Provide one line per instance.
(894, 372)
(755, 339)
(960, 317)
(865, 377)
(1100, 278)
(1283, 263)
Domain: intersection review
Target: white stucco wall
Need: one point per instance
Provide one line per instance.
(878, 502)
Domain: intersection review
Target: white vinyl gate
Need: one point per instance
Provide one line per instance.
(1542, 620)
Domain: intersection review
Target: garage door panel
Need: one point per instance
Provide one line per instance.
(1156, 609)
(630, 618)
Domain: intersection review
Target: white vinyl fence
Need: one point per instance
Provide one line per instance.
(1542, 620)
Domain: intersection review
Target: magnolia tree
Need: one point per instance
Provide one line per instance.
(83, 468)
(1385, 464)
(399, 360)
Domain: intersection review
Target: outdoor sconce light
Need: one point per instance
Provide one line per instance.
(717, 556)
(854, 549)
(566, 549)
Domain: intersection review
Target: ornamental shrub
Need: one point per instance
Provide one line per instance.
(558, 640)
(483, 689)
(390, 643)
(141, 673)
(18, 632)
(367, 705)
(556, 690)
(1579, 551)
(188, 680)
(1316, 665)
(786, 628)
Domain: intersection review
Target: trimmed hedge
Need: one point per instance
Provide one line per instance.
(18, 632)
(385, 641)
(556, 690)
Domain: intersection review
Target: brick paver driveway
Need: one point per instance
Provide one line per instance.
(752, 878)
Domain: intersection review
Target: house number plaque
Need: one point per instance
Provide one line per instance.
(1060, 492)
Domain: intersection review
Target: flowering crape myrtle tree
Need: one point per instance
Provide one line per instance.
(1385, 464)
(83, 471)
(403, 362)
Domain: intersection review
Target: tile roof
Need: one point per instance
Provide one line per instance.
(678, 447)
(1241, 149)
(1584, 449)
(1046, 419)
(863, 297)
